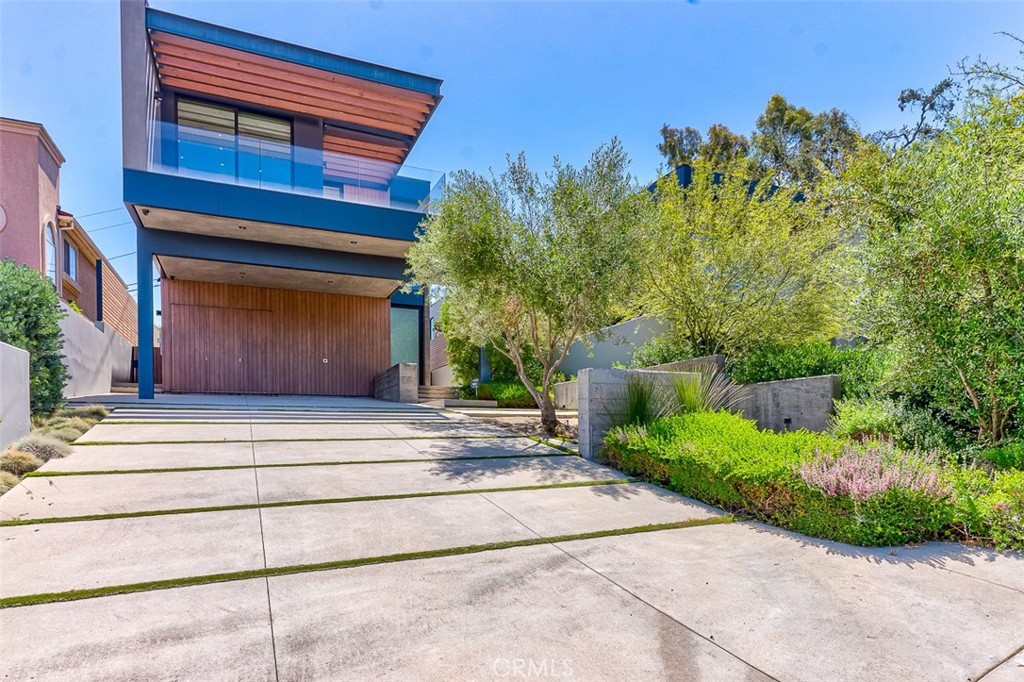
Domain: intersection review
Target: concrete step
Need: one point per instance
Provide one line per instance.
(437, 392)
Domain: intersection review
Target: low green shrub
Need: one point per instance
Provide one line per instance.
(1006, 456)
(7, 481)
(19, 463)
(658, 351)
(863, 368)
(871, 494)
(43, 447)
(507, 393)
(884, 418)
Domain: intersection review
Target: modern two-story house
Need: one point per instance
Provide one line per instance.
(272, 207)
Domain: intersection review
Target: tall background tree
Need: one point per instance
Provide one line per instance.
(533, 263)
(789, 144)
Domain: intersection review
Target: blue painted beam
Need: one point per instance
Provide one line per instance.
(144, 296)
(402, 298)
(251, 203)
(247, 252)
(275, 49)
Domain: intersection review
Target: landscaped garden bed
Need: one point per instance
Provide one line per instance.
(48, 440)
(870, 493)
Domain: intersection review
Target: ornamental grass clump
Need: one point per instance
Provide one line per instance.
(19, 463)
(862, 473)
(43, 447)
(7, 481)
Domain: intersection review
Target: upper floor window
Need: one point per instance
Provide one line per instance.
(222, 140)
(70, 260)
(51, 253)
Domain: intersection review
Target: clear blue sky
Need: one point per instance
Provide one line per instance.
(547, 78)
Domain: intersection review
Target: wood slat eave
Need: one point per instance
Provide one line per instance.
(254, 75)
(216, 86)
(331, 142)
(363, 88)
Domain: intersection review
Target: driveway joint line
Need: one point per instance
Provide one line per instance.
(1000, 664)
(263, 547)
(301, 503)
(284, 465)
(658, 610)
(192, 581)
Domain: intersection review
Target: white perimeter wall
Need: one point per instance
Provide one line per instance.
(94, 356)
(14, 394)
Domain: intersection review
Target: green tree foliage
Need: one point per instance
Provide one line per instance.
(794, 146)
(464, 356)
(721, 148)
(534, 263)
(29, 312)
(789, 145)
(736, 265)
(943, 250)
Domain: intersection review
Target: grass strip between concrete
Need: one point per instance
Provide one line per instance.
(285, 465)
(75, 595)
(228, 422)
(302, 503)
(280, 440)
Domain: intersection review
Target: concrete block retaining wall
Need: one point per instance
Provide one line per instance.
(775, 405)
(567, 392)
(14, 394)
(398, 384)
(792, 404)
(602, 395)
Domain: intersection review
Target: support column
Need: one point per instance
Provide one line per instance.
(144, 261)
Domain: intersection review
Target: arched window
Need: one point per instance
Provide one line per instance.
(51, 253)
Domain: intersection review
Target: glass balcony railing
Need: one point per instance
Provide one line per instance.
(278, 166)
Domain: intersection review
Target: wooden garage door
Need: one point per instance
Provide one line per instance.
(220, 350)
(224, 338)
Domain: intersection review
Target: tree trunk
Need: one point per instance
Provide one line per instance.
(548, 418)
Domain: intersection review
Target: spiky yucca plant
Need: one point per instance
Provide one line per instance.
(707, 389)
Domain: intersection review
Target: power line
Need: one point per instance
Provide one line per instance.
(109, 210)
(107, 227)
(131, 253)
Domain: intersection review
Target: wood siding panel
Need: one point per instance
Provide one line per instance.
(223, 338)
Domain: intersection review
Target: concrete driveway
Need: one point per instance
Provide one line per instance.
(345, 540)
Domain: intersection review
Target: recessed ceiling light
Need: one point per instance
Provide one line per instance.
(352, 242)
(241, 227)
(330, 281)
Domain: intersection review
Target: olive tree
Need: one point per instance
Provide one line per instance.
(738, 263)
(943, 250)
(533, 263)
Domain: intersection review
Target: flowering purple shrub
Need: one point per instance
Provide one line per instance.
(862, 473)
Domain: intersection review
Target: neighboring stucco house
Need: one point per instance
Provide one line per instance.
(267, 185)
(36, 232)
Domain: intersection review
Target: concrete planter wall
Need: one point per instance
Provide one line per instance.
(398, 384)
(601, 396)
(14, 394)
(567, 395)
(792, 404)
(775, 405)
